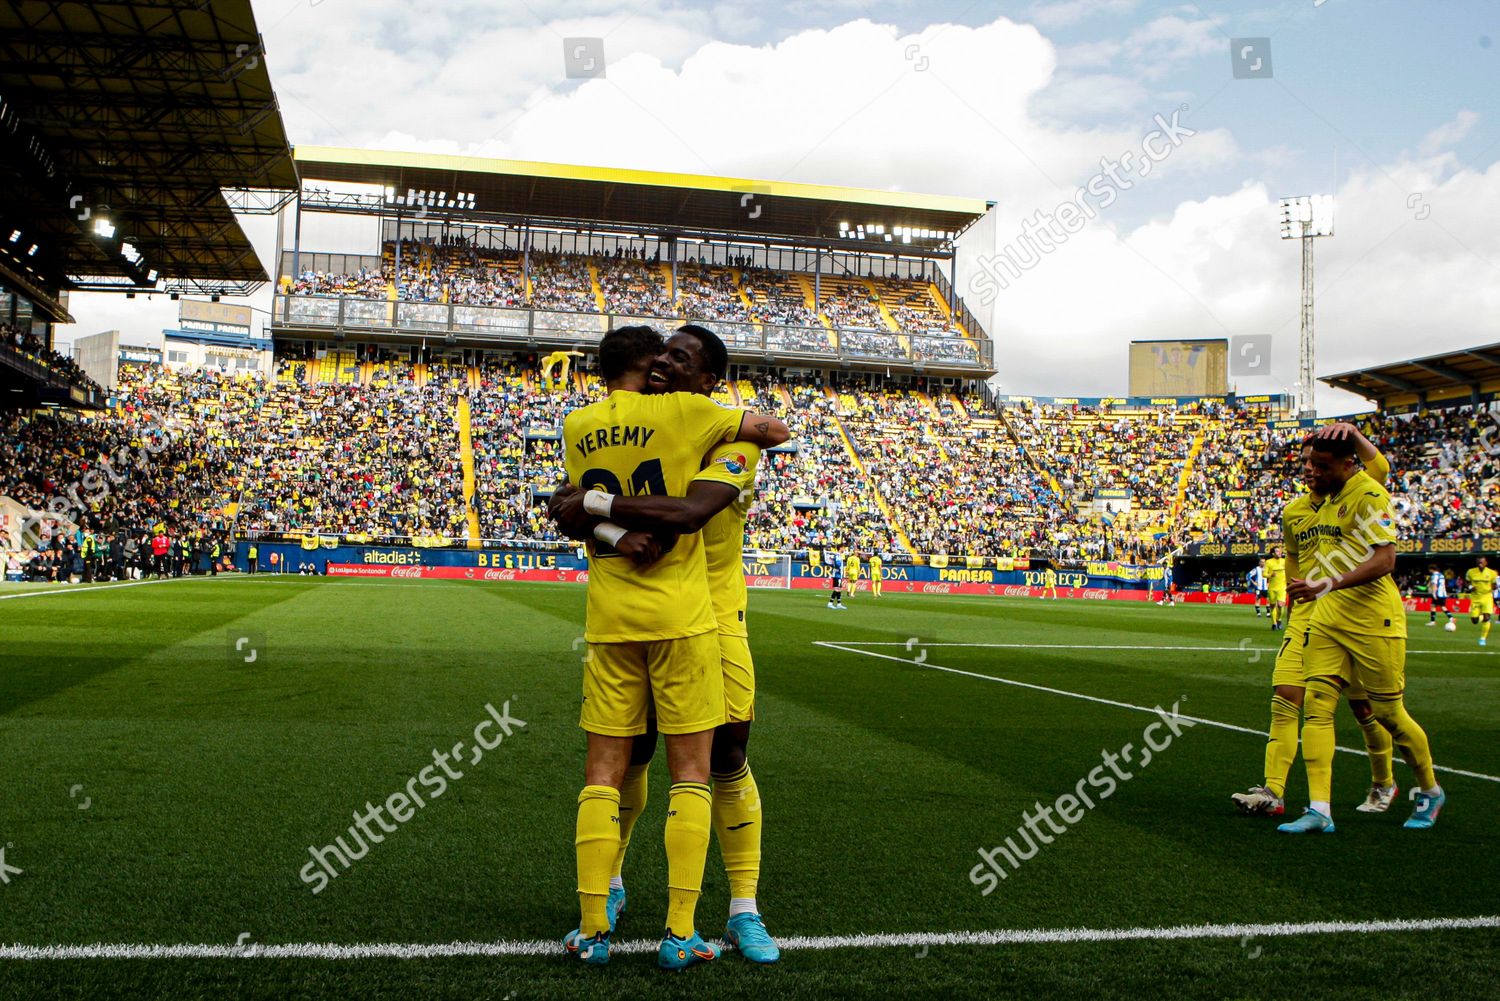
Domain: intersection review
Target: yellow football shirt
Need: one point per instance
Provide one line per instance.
(724, 536)
(1298, 515)
(1296, 518)
(1350, 523)
(1275, 574)
(633, 444)
(851, 567)
(1481, 583)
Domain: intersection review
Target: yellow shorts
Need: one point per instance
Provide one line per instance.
(1364, 664)
(1278, 597)
(1288, 669)
(1481, 606)
(681, 678)
(739, 678)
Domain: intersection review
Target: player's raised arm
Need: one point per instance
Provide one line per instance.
(763, 430)
(1375, 464)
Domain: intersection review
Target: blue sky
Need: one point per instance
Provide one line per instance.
(1390, 107)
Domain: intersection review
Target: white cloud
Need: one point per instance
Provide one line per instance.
(1449, 133)
(1389, 285)
(1165, 43)
(1070, 98)
(988, 117)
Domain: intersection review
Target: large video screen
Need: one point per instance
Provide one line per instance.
(1179, 368)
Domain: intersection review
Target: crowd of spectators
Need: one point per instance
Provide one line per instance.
(1445, 470)
(810, 494)
(26, 342)
(515, 448)
(355, 459)
(872, 465)
(629, 283)
(1092, 449)
(708, 293)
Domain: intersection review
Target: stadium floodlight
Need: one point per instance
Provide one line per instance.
(103, 227)
(15, 235)
(1306, 218)
(1307, 215)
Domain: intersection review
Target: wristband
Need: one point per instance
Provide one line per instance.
(608, 533)
(597, 502)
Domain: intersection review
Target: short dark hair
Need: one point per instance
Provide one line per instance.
(1339, 448)
(622, 349)
(715, 354)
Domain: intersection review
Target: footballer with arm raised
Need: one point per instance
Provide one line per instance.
(651, 636)
(716, 503)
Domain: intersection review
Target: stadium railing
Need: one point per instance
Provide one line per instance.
(508, 326)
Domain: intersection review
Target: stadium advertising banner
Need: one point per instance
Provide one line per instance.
(1277, 402)
(1179, 368)
(1422, 547)
(954, 575)
(768, 570)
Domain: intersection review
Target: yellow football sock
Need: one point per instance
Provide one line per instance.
(688, 819)
(737, 822)
(1276, 613)
(1319, 738)
(597, 841)
(1378, 743)
(632, 804)
(1281, 747)
(1390, 710)
(1484, 630)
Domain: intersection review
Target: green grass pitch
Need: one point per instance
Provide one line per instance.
(162, 789)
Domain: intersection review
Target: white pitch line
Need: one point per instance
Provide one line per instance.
(1125, 646)
(552, 947)
(88, 588)
(1106, 702)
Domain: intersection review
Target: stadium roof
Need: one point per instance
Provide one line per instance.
(526, 189)
(1454, 375)
(138, 113)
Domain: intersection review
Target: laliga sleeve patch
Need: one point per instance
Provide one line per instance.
(734, 464)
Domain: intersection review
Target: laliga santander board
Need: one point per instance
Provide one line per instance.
(558, 576)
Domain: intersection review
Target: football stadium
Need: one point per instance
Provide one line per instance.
(451, 532)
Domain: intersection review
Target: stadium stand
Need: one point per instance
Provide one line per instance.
(30, 346)
(365, 444)
(797, 313)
